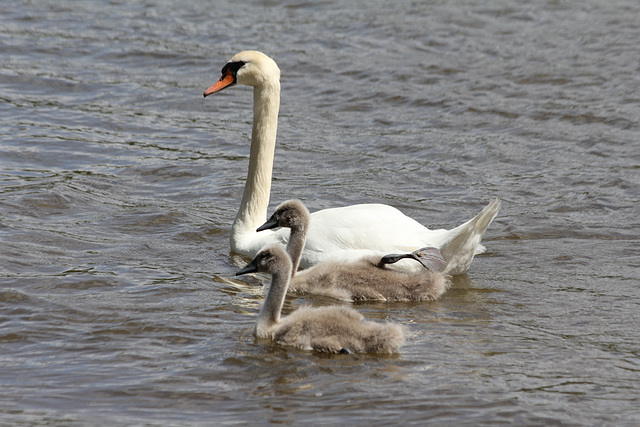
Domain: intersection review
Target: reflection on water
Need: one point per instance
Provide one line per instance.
(118, 186)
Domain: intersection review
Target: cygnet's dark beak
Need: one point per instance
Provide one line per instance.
(271, 223)
(252, 267)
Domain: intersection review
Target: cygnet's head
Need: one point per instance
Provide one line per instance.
(272, 259)
(290, 214)
(251, 68)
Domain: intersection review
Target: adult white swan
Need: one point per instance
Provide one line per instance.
(339, 233)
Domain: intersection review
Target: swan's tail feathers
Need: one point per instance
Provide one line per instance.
(464, 242)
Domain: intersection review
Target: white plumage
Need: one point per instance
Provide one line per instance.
(339, 233)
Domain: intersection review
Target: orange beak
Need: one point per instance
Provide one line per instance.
(225, 81)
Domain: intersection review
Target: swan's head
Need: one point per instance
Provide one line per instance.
(290, 214)
(273, 259)
(251, 68)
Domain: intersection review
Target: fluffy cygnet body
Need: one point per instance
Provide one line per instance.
(333, 329)
(368, 278)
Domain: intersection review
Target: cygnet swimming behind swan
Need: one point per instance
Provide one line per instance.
(334, 329)
(368, 278)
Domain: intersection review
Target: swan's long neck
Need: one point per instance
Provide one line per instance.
(272, 307)
(295, 246)
(255, 201)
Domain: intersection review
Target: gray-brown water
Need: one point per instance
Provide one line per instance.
(119, 184)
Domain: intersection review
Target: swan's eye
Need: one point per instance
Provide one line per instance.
(232, 67)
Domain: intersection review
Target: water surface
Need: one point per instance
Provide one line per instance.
(118, 301)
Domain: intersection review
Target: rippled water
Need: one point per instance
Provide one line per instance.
(119, 183)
